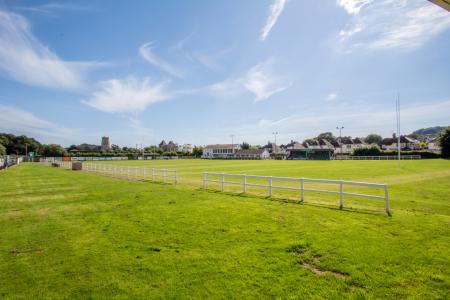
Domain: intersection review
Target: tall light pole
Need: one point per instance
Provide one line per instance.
(340, 136)
(275, 140)
(232, 143)
(397, 106)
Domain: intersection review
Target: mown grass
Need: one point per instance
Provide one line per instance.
(66, 234)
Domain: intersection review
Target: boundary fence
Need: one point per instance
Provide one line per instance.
(299, 187)
(386, 157)
(128, 172)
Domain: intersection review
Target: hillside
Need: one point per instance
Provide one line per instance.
(428, 132)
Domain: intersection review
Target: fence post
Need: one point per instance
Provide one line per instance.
(245, 183)
(341, 200)
(302, 189)
(223, 182)
(386, 197)
(204, 181)
(270, 186)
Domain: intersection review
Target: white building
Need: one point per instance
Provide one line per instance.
(434, 145)
(220, 151)
(252, 154)
(186, 148)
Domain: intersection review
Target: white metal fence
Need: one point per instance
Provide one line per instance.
(386, 157)
(300, 185)
(128, 172)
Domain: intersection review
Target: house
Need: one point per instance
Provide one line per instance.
(434, 145)
(293, 145)
(406, 143)
(276, 152)
(220, 150)
(186, 148)
(346, 146)
(252, 154)
(168, 147)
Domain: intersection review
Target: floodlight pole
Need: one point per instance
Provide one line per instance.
(232, 144)
(275, 137)
(398, 126)
(340, 136)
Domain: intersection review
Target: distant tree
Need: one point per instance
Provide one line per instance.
(197, 151)
(2, 150)
(245, 146)
(114, 147)
(444, 140)
(53, 150)
(373, 139)
(327, 136)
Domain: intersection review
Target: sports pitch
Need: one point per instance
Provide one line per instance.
(68, 234)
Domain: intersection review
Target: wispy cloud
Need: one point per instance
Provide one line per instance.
(260, 80)
(331, 96)
(129, 95)
(52, 7)
(18, 121)
(263, 83)
(25, 59)
(385, 24)
(146, 52)
(353, 6)
(359, 121)
(275, 10)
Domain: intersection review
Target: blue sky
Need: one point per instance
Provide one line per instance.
(199, 71)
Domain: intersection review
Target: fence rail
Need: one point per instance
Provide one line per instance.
(386, 157)
(301, 186)
(128, 172)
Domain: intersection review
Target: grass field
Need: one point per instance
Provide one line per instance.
(66, 234)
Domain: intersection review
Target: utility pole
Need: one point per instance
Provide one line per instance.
(340, 136)
(26, 151)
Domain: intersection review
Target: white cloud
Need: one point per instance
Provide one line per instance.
(18, 121)
(263, 83)
(146, 52)
(331, 96)
(260, 80)
(388, 24)
(129, 95)
(25, 59)
(353, 6)
(275, 10)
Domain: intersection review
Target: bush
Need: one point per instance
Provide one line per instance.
(373, 151)
(444, 140)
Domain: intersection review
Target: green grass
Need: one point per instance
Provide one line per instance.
(66, 234)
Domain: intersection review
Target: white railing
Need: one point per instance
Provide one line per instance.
(386, 157)
(128, 172)
(132, 173)
(301, 186)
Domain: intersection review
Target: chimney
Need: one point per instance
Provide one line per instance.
(394, 136)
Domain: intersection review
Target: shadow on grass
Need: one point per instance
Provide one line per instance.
(299, 202)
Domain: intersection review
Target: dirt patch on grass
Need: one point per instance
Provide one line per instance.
(309, 259)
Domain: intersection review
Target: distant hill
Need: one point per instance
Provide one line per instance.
(428, 132)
